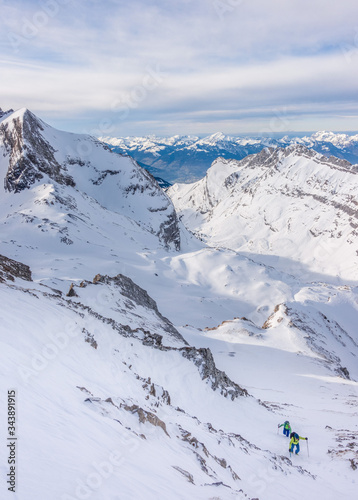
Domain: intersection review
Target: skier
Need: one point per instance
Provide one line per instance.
(295, 442)
(286, 428)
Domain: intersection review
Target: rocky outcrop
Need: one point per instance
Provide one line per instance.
(317, 328)
(132, 291)
(71, 292)
(89, 338)
(146, 416)
(185, 473)
(169, 231)
(4, 113)
(346, 447)
(11, 269)
(203, 359)
(31, 156)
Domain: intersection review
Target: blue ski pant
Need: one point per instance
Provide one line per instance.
(297, 448)
(286, 432)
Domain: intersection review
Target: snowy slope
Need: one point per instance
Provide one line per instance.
(145, 371)
(36, 156)
(115, 413)
(293, 206)
(187, 158)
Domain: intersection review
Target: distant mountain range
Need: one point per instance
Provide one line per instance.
(187, 158)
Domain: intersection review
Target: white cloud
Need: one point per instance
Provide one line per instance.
(253, 56)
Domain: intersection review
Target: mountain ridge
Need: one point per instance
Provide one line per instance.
(290, 202)
(187, 158)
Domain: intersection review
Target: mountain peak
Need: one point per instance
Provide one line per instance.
(219, 136)
(31, 155)
(36, 154)
(214, 138)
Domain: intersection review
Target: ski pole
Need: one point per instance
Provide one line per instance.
(277, 429)
(308, 451)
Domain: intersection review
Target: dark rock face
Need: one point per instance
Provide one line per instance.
(31, 155)
(71, 292)
(138, 295)
(313, 327)
(203, 359)
(11, 269)
(4, 113)
(169, 231)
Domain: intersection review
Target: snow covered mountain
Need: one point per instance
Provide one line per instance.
(46, 167)
(147, 364)
(285, 205)
(187, 158)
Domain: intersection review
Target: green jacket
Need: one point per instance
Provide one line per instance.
(286, 425)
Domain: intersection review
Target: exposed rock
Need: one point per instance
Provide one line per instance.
(31, 156)
(347, 447)
(169, 231)
(11, 269)
(345, 372)
(71, 292)
(204, 360)
(157, 392)
(185, 473)
(90, 338)
(83, 389)
(219, 483)
(138, 295)
(186, 436)
(273, 317)
(4, 113)
(146, 416)
(300, 182)
(313, 326)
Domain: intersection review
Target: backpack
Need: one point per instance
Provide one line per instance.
(294, 436)
(286, 424)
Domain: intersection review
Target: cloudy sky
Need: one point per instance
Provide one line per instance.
(138, 67)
